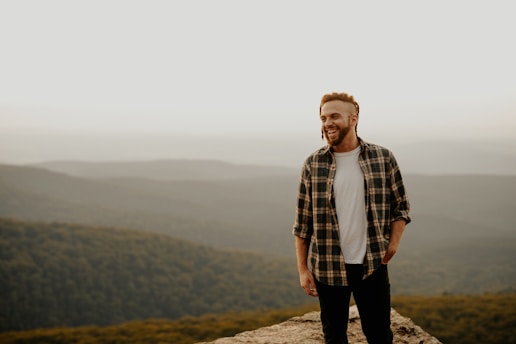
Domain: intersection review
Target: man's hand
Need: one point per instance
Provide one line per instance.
(391, 251)
(397, 228)
(308, 283)
(306, 278)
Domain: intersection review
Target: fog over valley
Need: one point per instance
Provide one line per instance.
(421, 156)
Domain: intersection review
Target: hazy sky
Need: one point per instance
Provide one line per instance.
(433, 69)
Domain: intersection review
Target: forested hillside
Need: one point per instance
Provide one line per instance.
(70, 275)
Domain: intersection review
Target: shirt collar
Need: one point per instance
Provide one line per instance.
(363, 147)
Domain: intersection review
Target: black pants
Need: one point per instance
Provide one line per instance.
(373, 299)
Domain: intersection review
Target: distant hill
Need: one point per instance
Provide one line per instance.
(439, 157)
(55, 274)
(457, 219)
(477, 200)
(239, 213)
(166, 170)
(433, 155)
(457, 157)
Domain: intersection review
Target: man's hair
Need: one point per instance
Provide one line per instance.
(339, 96)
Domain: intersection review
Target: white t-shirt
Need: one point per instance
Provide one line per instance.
(348, 188)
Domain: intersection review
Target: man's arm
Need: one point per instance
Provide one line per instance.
(397, 228)
(399, 211)
(306, 277)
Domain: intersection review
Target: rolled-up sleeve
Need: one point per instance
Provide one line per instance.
(400, 205)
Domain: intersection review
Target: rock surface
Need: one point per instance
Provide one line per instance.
(307, 329)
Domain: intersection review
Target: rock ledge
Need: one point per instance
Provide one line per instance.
(306, 329)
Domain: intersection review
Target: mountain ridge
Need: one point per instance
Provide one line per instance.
(496, 156)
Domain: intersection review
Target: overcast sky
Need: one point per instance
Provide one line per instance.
(433, 69)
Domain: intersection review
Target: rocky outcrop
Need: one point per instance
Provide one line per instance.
(306, 329)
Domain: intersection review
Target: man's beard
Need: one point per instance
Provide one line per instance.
(340, 137)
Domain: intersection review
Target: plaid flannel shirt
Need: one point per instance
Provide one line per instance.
(316, 216)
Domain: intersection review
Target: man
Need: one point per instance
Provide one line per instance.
(351, 213)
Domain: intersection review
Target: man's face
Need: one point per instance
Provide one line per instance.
(338, 119)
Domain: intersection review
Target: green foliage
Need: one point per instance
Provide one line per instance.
(186, 330)
(72, 275)
(460, 319)
(457, 319)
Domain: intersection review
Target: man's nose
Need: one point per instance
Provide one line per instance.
(327, 122)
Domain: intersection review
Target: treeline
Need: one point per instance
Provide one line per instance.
(54, 274)
(457, 319)
(181, 331)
